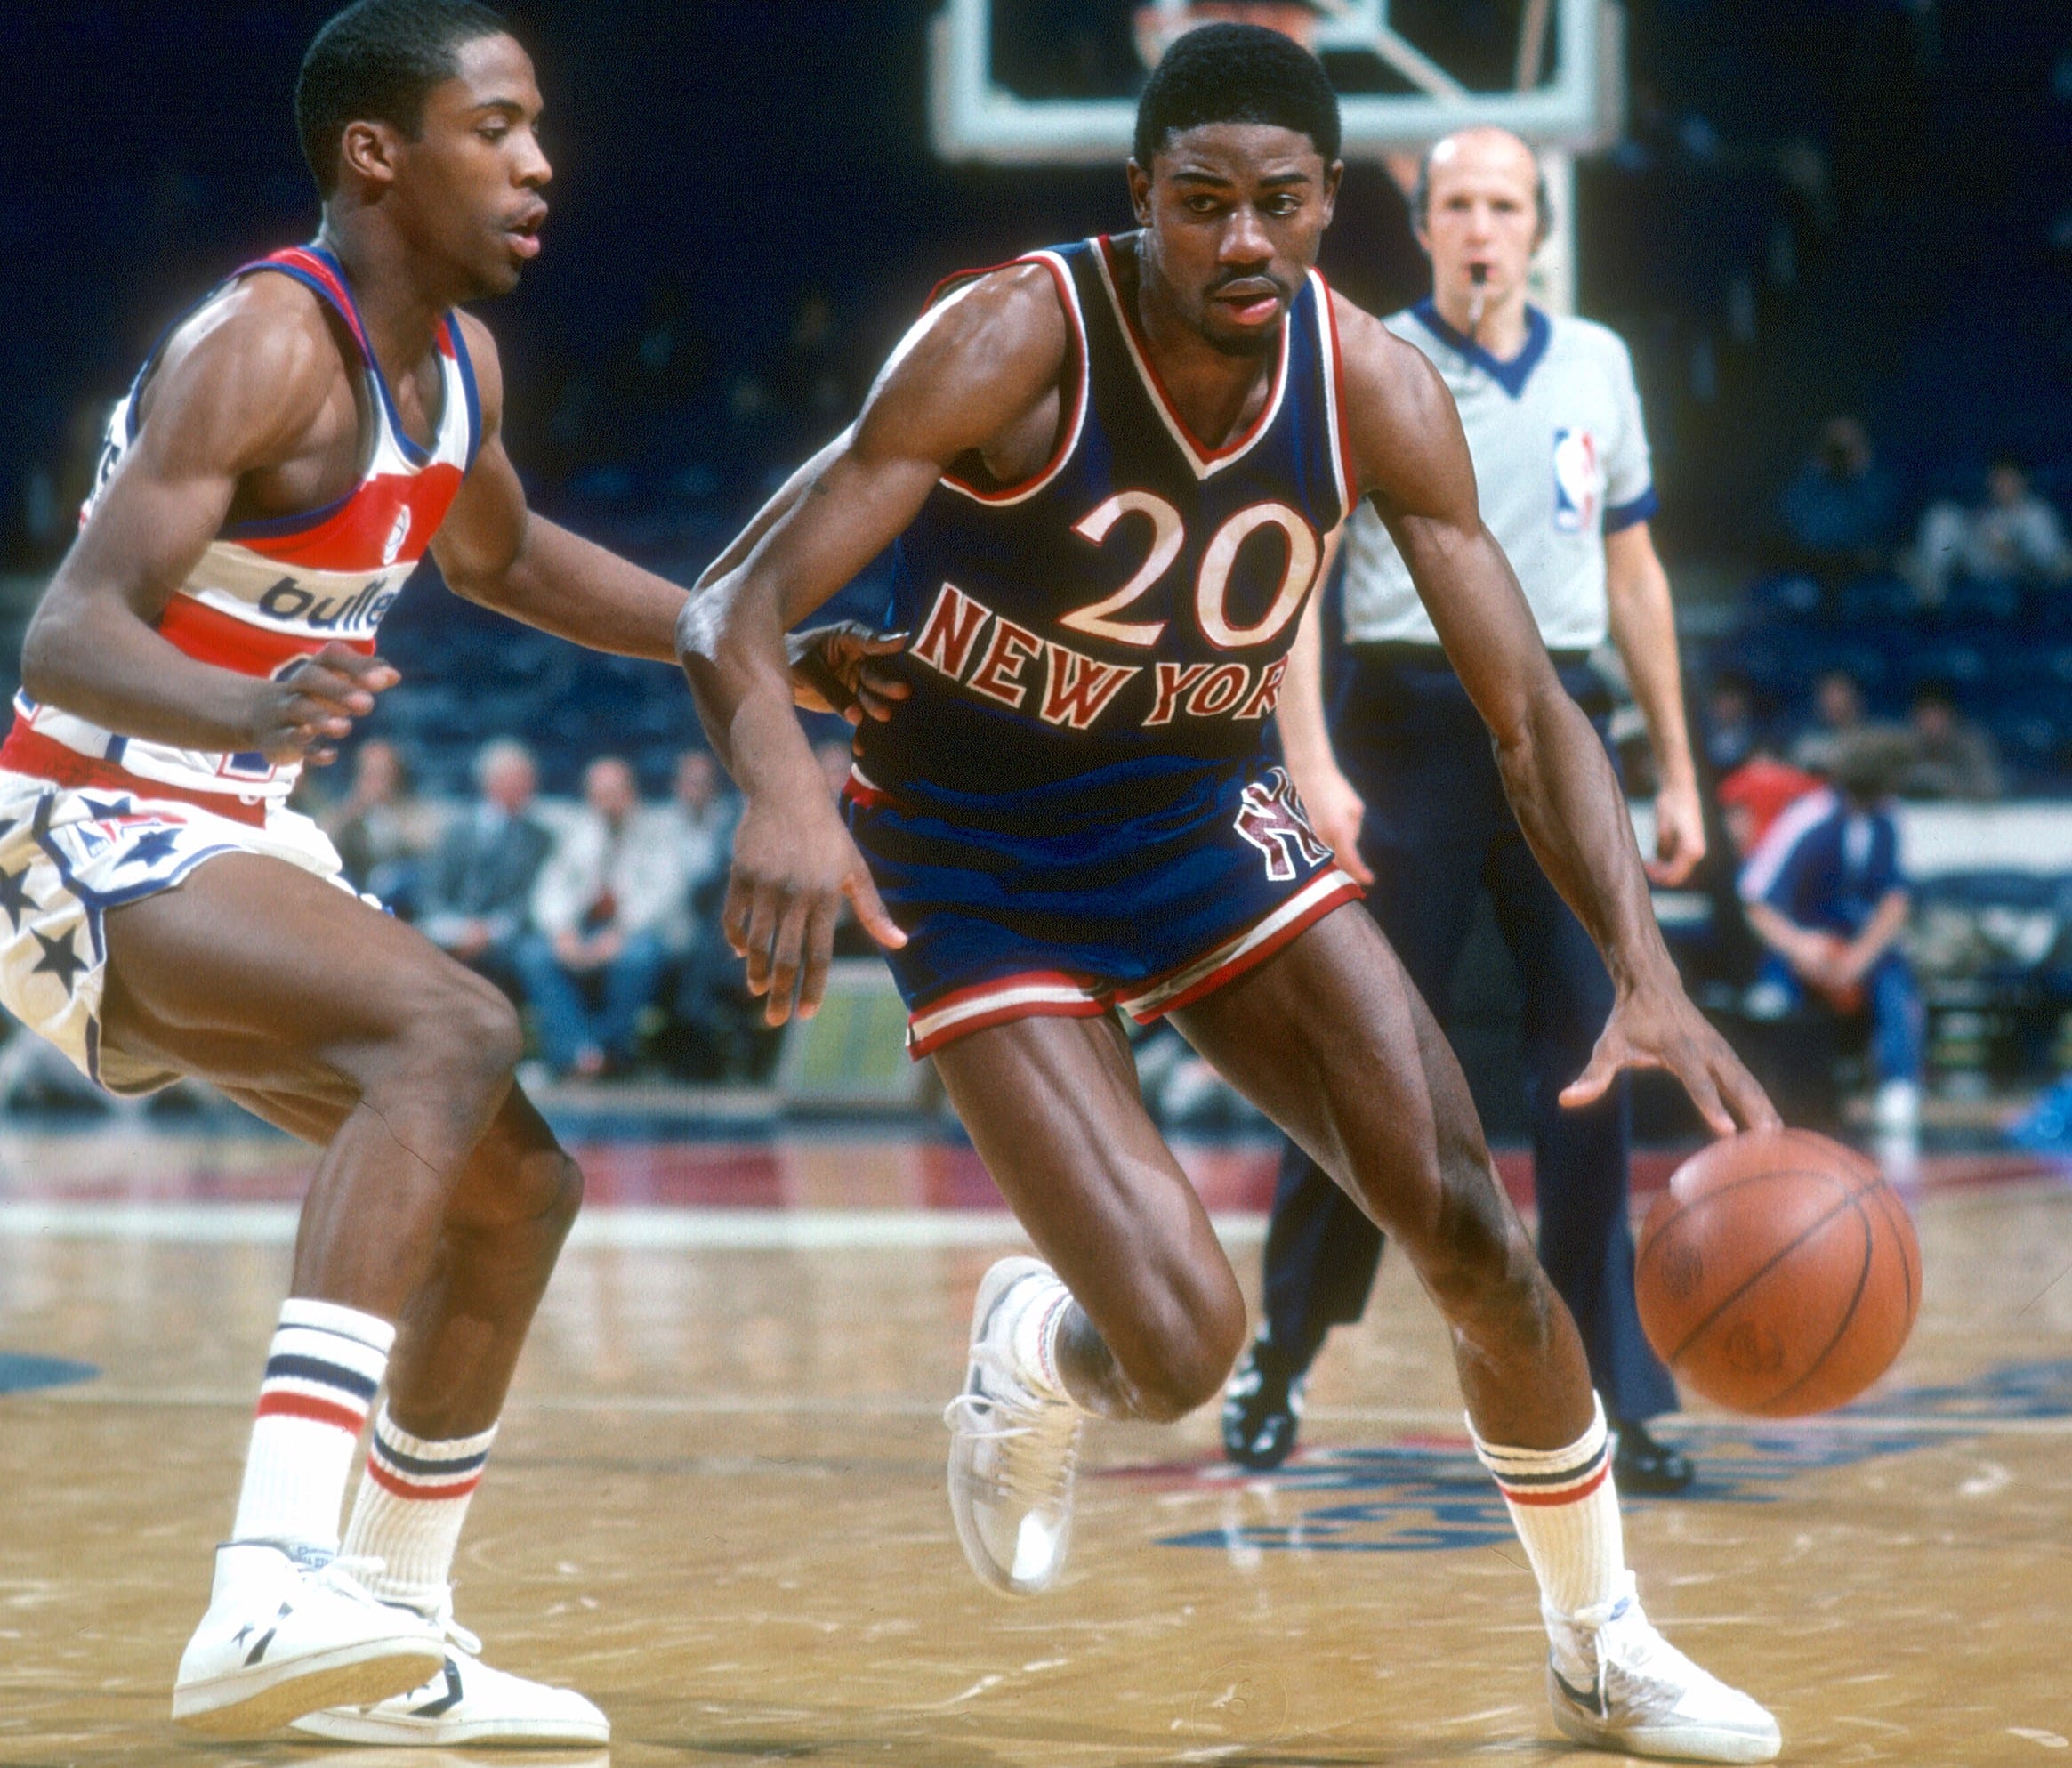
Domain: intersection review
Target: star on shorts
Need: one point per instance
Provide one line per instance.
(15, 897)
(59, 957)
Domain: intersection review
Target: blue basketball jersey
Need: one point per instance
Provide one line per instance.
(1100, 640)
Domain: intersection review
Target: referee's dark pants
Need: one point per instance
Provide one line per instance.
(1437, 828)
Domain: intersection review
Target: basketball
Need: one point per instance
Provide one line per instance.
(1778, 1274)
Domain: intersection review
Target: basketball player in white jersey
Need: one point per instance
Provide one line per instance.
(285, 457)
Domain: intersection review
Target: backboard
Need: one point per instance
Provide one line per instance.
(1055, 82)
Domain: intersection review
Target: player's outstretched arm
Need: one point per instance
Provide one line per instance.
(1412, 459)
(494, 550)
(974, 375)
(249, 386)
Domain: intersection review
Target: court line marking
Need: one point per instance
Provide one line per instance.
(895, 1406)
(633, 1228)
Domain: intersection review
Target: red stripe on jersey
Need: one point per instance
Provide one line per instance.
(209, 635)
(42, 758)
(358, 535)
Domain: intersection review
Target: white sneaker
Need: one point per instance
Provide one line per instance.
(1013, 1450)
(465, 1703)
(1616, 1684)
(289, 1628)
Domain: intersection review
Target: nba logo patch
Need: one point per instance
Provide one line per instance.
(1578, 482)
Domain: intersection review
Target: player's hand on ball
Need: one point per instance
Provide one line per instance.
(306, 712)
(840, 669)
(1656, 1026)
(794, 866)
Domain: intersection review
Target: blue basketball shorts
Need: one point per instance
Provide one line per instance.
(1047, 914)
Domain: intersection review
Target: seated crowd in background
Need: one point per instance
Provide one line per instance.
(602, 919)
(1824, 893)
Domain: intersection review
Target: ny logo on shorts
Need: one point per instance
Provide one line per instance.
(1272, 817)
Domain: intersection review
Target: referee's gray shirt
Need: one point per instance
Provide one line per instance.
(1561, 461)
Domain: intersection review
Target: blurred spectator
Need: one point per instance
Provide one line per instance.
(698, 821)
(1838, 713)
(1824, 894)
(381, 829)
(595, 957)
(1756, 794)
(1951, 758)
(1731, 734)
(477, 886)
(2013, 538)
(1842, 510)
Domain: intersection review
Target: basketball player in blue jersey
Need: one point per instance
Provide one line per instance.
(286, 454)
(1108, 471)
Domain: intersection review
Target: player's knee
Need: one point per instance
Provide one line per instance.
(1479, 1263)
(1187, 1362)
(465, 1034)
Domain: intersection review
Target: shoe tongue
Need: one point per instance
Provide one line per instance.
(307, 1556)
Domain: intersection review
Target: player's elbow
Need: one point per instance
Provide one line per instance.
(49, 651)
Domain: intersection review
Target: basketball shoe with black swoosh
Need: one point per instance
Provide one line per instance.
(1616, 1684)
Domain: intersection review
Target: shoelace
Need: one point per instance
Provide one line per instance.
(344, 1574)
(1039, 1437)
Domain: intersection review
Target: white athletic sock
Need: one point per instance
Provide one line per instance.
(1040, 1311)
(1566, 1510)
(412, 1501)
(322, 1373)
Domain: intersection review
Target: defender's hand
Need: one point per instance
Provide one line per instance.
(1337, 813)
(837, 668)
(1656, 1026)
(793, 863)
(305, 712)
(1679, 835)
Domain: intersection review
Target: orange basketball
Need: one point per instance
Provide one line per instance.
(1778, 1273)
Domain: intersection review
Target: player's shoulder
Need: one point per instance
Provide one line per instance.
(261, 354)
(1380, 357)
(1005, 327)
(1021, 302)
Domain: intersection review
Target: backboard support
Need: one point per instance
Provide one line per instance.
(1562, 90)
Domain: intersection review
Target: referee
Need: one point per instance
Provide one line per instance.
(1405, 779)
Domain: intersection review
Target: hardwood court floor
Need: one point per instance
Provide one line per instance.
(717, 1508)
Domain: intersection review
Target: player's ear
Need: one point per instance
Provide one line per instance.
(1140, 193)
(1334, 175)
(368, 152)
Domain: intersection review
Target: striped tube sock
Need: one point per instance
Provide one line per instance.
(322, 1373)
(1042, 1313)
(412, 1502)
(1566, 1510)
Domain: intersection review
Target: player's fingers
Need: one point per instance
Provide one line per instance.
(1589, 1086)
(762, 919)
(330, 689)
(785, 960)
(1746, 1103)
(374, 672)
(871, 912)
(820, 957)
(880, 644)
(734, 914)
(313, 719)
